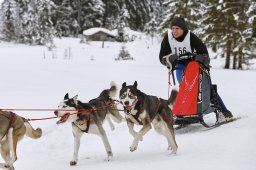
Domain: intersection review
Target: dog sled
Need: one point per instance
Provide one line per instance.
(197, 96)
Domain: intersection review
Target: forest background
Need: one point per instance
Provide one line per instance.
(228, 27)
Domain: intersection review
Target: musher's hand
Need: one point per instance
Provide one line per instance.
(167, 62)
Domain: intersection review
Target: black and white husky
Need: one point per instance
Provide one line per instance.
(91, 118)
(146, 110)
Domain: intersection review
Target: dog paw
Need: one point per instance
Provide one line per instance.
(6, 166)
(9, 167)
(169, 148)
(133, 148)
(173, 152)
(109, 158)
(72, 163)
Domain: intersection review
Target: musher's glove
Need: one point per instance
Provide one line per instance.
(173, 59)
(163, 61)
(166, 62)
(205, 60)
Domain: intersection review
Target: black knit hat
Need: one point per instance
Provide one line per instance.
(180, 22)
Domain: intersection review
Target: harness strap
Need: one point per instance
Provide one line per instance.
(136, 117)
(12, 118)
(88, 123)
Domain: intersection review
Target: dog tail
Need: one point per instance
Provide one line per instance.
(173, 96)
(31, 132)
(113, 90)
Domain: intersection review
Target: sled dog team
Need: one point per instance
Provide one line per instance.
(139, 108)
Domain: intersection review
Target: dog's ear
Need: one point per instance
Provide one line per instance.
(124, 84)
(66, 97)
(75, 99)
(135, 84)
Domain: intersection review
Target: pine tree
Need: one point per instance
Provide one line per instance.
(63, 18)
(156, 14)
(8, 28)
(139, 13)
(30, 23)
(22, 20)
(227, 28)
(250, 31)
(46, 29)
(122, 23)
(93, 11)
(111, 13)
(188, 9)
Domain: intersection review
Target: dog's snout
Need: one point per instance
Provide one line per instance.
(56, 112)
(126, 103)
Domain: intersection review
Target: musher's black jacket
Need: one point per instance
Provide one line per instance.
(197, 45)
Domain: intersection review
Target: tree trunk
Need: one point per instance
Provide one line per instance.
(240, 59)
(234, 53)
(234, 61)
(228, 51)
(103, 42)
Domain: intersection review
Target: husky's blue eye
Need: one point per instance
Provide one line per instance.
(123, 96)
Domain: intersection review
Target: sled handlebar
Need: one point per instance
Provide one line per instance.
(204, 60)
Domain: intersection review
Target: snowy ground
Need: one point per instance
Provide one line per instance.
(32, 77)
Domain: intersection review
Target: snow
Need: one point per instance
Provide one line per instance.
(33, 77)
(92, 31)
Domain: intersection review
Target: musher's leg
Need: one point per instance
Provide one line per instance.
(179, 71)
(227, 114)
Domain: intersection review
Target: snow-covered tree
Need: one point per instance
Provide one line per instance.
(228, 28)
(139, 13)
(30, 25)
(156, 14)
(46, 29)
(111, 13)
(188, 9)
(72, 17)
(63, 18)
(8, 20)
(93, 12)
(122, 23)
(124, 54)
(151, 27)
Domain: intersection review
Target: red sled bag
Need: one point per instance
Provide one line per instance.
(186, 101)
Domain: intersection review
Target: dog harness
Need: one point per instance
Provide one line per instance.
(12, 118)
(88, 123)
(141, 108)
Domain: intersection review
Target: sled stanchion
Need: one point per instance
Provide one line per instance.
(170, 72)
(169, 83)
(173, 78)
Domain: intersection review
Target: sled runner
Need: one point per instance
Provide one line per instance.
(197, 96)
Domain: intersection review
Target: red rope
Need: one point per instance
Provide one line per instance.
(54, 117)
(35, 109)
(169, 83)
